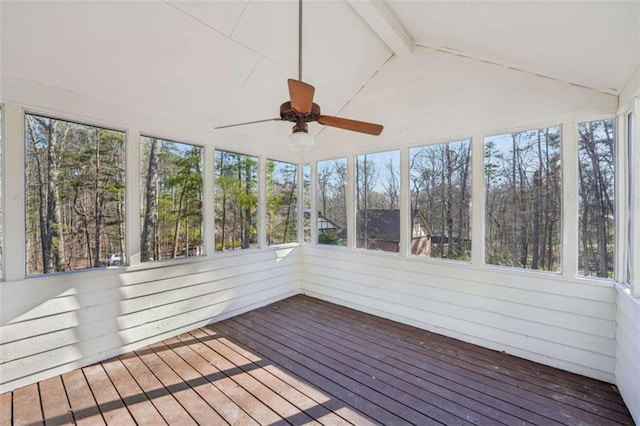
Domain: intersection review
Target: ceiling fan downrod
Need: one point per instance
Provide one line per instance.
(299, 40)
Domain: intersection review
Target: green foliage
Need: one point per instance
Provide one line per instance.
(178, 198)
(329, 238)
(236, 200)
(282, 221)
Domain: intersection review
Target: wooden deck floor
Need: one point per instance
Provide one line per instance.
(303, 361)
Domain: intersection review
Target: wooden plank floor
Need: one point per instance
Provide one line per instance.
(305, 361)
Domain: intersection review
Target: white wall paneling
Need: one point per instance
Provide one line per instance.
(50, 325)
(628, 350)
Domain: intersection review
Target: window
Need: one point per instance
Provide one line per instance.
(236, 201)
(282, 198)
(377, 201)
(596, 178)
(171, 190)
(332, 202)
(440, 184)
(74, 196)
(523, 198)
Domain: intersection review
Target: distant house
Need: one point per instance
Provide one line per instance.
(325, 224)
(379, 229)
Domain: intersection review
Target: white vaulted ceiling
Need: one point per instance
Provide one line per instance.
(178, 69)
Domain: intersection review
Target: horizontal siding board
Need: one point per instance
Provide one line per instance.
(111, 289)
(552, 283)
(25, 370)
(531, 311)
(500, 287)
(70, 317)
(628, 331)
(214, 301)
(628, 352)
(233, 260)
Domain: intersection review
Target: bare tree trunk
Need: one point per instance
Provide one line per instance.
(149, 247)
(585, 223)
(462, 211)
(449, 202)
(176, 228)
(288, 216)
(600, 212)
(223, 222)
(537, 204)
(246, 222)
(514, 236)
(98, 206)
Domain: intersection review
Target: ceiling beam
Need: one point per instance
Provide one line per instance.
(378, 16)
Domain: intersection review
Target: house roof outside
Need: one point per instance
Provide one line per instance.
(384, 224)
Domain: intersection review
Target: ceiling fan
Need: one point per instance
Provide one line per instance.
(301, 109)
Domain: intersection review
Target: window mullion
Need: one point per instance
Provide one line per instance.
(313, 213)
(133, 207)
(569, 208)
(405, 204)
(208, 201)
(477, 200)
(14, 193)
(262, 202)
(351, 202)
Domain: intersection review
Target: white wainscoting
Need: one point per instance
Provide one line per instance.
(569, 324)
(628, 351)
(53, 324)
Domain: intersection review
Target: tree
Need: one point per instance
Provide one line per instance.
(236, 200)
(281, 202)
(596, 183)
(440, 190)
(522, 191)
(149, 244)
(74, 196)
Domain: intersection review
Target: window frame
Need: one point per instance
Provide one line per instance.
(139, 212)
(81, 121)
(259, 219)
(619, 196)
(297, 205)
(471, 179)
(353, 235)
(562, 220)
(347, 195)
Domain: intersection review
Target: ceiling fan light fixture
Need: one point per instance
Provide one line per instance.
(300, 141)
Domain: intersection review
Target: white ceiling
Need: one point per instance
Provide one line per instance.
(178, 69)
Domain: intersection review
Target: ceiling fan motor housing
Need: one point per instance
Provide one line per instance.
(287, 113)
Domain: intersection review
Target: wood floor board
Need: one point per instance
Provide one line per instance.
(528, 389)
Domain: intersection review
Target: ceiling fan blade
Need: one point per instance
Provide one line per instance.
(248, 122)
(353, 125)
(301, 95)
